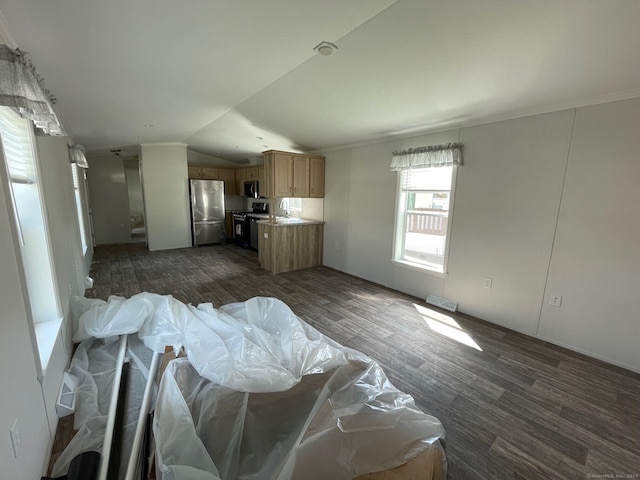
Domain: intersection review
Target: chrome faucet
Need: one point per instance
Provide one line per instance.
(284, 205)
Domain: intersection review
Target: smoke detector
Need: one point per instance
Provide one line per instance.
(325, 48)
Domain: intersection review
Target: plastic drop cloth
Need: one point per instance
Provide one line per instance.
(263, 395)
(94, 364)
(333, 425)
(255, 346)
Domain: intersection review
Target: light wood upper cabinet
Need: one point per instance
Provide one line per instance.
(195, 172)
(251, 174)
(293, 175)
(316, 177)
(282, 174)
(228, 176)
(233, 178)
(210, 173)
(240, 179)
(300, 176)
(203, 173)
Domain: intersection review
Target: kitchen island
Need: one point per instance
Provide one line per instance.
(290, 244)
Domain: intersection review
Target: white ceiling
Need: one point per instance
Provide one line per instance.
(219, 74)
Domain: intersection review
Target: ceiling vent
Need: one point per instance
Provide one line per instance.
(325, 48)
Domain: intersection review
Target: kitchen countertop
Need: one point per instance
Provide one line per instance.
(285, 222)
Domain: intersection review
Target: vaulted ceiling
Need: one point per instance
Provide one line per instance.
(232, 78)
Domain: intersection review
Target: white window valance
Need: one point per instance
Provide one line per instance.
(23, 89)
(428, 157)
(76, 155)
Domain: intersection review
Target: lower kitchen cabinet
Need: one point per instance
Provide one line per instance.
(228, 225)
(289, 247)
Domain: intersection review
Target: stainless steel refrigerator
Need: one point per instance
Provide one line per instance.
(207, 211)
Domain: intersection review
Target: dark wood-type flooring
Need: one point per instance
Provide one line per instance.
(518, 409)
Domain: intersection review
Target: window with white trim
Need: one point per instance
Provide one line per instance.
(75, 173)
(425, 199)
(24, 187)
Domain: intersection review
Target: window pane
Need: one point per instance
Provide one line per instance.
(424, 216)
(24, 185)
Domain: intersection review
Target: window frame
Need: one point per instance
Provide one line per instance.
(44, 332)
(399, 231)
(76, 174)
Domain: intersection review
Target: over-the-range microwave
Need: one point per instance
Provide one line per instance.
(251, 189)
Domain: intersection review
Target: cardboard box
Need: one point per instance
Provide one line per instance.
(429, 465)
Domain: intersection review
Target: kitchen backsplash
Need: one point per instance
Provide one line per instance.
(311, 208)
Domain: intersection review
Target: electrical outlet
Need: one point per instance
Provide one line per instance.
(15, 438)
(337, 246)
(487, 282)
(555, 300)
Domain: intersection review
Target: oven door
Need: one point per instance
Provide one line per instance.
(240, 232)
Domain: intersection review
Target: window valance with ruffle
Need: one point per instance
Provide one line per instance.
(23, 89)
(427, 157)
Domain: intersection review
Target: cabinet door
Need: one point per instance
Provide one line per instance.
(282, 175)
(195, 172)
(240, 179)
(210, 173)
(316, 177)
(300, 176)
(228, 224)
(252, 174)
(228, 176)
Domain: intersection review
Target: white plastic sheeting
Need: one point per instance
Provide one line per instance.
(255, 346)
(262, 394)
(335, 425)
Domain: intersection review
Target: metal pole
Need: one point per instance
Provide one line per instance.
(142, 417)
(108, 435)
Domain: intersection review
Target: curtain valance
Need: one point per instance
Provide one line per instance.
(23, 89)
(76, 155)
(428, 157)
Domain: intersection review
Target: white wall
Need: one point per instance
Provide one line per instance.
(66, 249)
(109, 200)
(21, 394)
(197, 158)
(60, 207)
(505, 212)
(510, 195)
(166, 195)
(595, 264)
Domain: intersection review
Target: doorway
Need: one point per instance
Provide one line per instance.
(136, 202)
